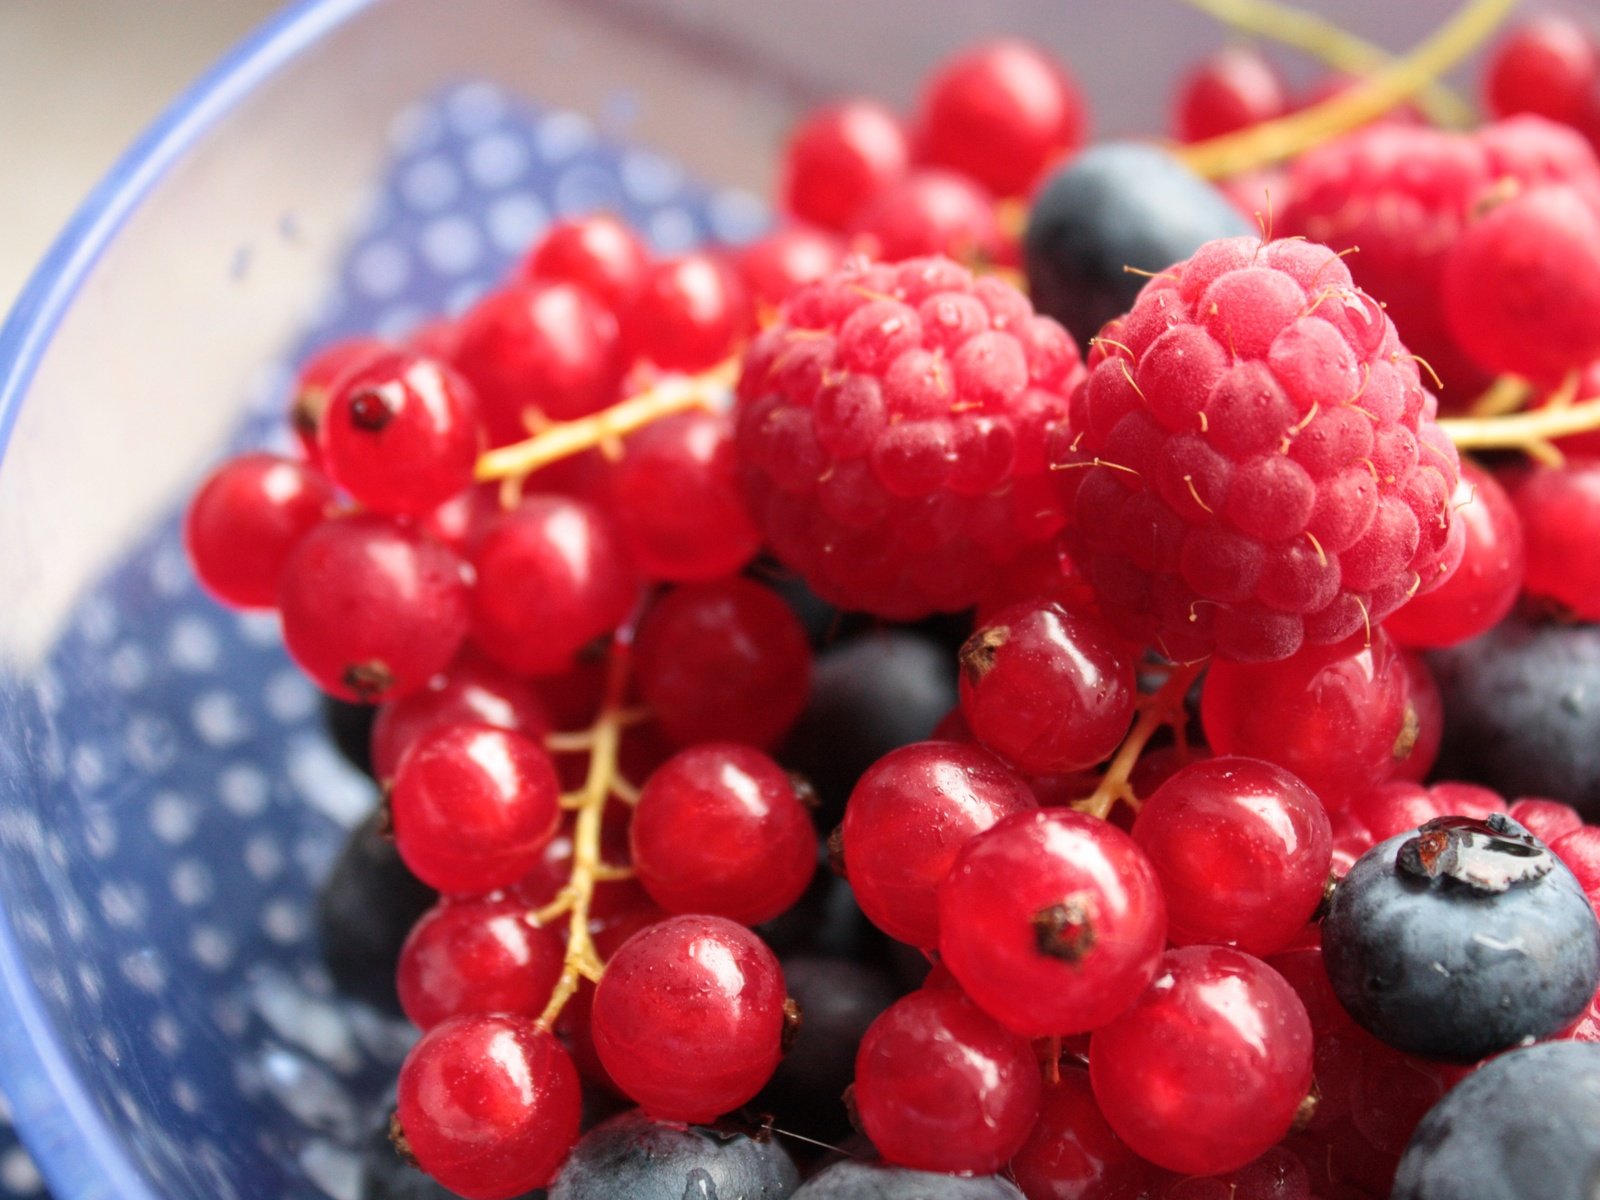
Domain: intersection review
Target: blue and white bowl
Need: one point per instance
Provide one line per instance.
(168, 803)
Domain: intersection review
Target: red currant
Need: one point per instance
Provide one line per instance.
(1046, 688)
(941, 1087)
(539, 351)
(400, 434)
(551, 579)
(1560, 512)
(775, 266)
(372, 610)
(1333, 716)
(725, 661)
(676, 499)
(1548, 66)
(1209, 1066)
(473, 690)
(489, 1105)
(244, 521)
(1230, 90)
(474, 807)
(477, 955)
(1242, 849)
(839, 158)
(1072, 1154)
(318, 377)
(720, 829)
(930, 212)
(906, 820)
(689, 1016)
(689, 314)
(597, 253)
(1002, 112)
(1052, 921)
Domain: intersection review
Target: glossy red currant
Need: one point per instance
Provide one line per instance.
(688, 1018)
(720, 828)
(488, 1105)
(474, 807)
(1052, 921)
(244, 521)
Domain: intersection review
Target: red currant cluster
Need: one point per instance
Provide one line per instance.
(1201, 569)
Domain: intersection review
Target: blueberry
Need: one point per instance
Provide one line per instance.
(839, 999)
(350, 728)
(1116, 205)
(868, 696)
(1522, 711)
(367, 906)
(1526, 1124)
(852, 1180)
(638, 1158)
(1461, 939)
(826, 921)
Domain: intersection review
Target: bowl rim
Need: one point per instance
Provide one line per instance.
(77, 1150)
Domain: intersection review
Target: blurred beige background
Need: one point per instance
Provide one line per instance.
(79, 79)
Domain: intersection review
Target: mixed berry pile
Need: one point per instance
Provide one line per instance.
(896, 737)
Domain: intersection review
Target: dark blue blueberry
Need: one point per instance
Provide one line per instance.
(839, 999)
(635, 1157)
(825, 922)
(882, 690)
(367, 906)
(1116, 205)
(1461, 939)
(818, 618)
(350, 727)
(1522, 711)
(853, 1180)
(1524, 1126)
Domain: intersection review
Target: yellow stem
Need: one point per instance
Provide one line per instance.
(1507, 394)
(581, 961)
(578, 741)
(1313, 34)
(1533, 432)
(1164, 707)
(1274, 141)
(608, 426)
(560, 906)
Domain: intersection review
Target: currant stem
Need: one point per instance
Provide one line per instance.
(588, 868)
(1531, 432)
(608, 426)
(578, 741)
(1313, 34)
(1272, 141)
(1507, 394)
(1164, 707)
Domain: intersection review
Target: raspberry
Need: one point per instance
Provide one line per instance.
(1402, 194)
(1256, 464)
(893, 427)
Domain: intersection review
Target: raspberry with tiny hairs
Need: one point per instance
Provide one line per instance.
(1255, 464)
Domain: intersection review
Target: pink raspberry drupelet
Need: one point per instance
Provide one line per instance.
(1255, 464)
(893, 425)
